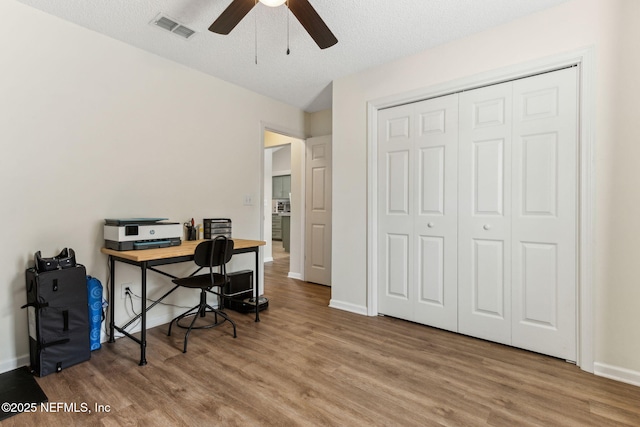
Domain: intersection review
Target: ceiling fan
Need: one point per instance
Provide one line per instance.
(302, 9)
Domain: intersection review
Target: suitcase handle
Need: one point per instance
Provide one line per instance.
(37, 305)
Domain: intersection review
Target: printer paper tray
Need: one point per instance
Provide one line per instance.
(142, 244)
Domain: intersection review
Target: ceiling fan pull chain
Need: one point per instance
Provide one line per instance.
(288, 28)
(255, 28)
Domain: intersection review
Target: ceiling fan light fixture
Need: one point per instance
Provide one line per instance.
(273, 3)
(301, 9)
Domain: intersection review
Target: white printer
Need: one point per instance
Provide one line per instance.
(125, 234)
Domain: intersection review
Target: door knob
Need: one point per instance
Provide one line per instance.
(430, 225)
(486, 227)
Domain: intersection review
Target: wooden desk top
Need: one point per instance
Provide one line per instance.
(187, 248)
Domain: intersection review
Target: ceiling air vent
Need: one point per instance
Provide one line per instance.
(183, 31)
(173, 26)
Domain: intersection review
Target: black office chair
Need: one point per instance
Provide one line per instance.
(211, 253)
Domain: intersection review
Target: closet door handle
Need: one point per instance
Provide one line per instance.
(430, 225)
(486, 227)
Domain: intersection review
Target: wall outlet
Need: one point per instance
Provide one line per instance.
(123, 289)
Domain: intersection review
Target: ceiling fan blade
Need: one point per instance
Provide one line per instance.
(231, 16)
(313, 23)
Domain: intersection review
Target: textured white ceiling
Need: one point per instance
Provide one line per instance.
(369, 32)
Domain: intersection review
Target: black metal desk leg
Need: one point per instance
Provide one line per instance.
(143, 307)
(257, 250)
(112, 298)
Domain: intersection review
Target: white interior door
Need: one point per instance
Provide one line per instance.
(318, 211)
(484, 213)
(436, 212)
(477, 212)
(544, 213)
(395, 212)
(417, 212)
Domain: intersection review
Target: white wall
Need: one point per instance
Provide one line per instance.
(618, 228)
(296, 249)
(610, 27)
(281, 160)
(319, 123)
(92, 128)
(267, 252)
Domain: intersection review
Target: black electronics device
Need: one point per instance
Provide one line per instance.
(239, 293)
(246, 305)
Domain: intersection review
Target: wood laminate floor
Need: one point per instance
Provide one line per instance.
(278, 253)
(306, 364)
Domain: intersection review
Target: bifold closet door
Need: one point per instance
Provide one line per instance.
(417, 210)
(395, 212)
(517, 213)
(545, 178)
(484, 213)
(477, 212)
(435, 219)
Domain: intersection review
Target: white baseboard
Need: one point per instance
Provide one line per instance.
(347, 306)
(268, 259)
(295, 276)
(616, 373)
(10, 365)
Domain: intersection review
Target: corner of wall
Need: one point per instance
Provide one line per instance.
(617, 373)
(347, 306)
(319, 123)
(13, 363)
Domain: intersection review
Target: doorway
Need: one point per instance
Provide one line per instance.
(280, 203)
(297, 205)
(284, 201)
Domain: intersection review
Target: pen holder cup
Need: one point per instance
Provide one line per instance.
(192, 233)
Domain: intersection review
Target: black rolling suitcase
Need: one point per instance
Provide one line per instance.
(58, 318)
